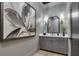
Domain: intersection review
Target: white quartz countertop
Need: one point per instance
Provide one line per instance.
(55, 35)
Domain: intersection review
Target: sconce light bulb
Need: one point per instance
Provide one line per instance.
(62, 18)
(45, 19)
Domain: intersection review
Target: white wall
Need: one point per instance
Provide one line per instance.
(25, 46)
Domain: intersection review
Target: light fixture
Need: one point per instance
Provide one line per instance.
(62, 16)
(45, 19)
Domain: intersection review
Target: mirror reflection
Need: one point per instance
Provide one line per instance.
(53, 25)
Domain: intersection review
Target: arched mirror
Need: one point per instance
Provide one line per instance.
(53, 25)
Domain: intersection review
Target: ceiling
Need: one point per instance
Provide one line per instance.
(45, 3)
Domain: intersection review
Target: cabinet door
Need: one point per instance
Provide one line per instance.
(75, 47)
(59, 45)
(54, 44)
(62, 45)
(45, 43)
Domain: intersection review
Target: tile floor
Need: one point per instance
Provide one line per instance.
(46, 53)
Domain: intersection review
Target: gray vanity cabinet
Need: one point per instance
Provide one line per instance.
(62, 44)
(55, 44)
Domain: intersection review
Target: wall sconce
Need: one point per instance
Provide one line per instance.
(45, 19)
(45, 23)
(62, 20)
(61, 17)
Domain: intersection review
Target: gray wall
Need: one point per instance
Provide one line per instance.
(58, 9)
(25, 46)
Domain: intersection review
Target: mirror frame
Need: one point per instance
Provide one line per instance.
(58, 24)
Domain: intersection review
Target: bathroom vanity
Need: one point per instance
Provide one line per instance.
(54, 43)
